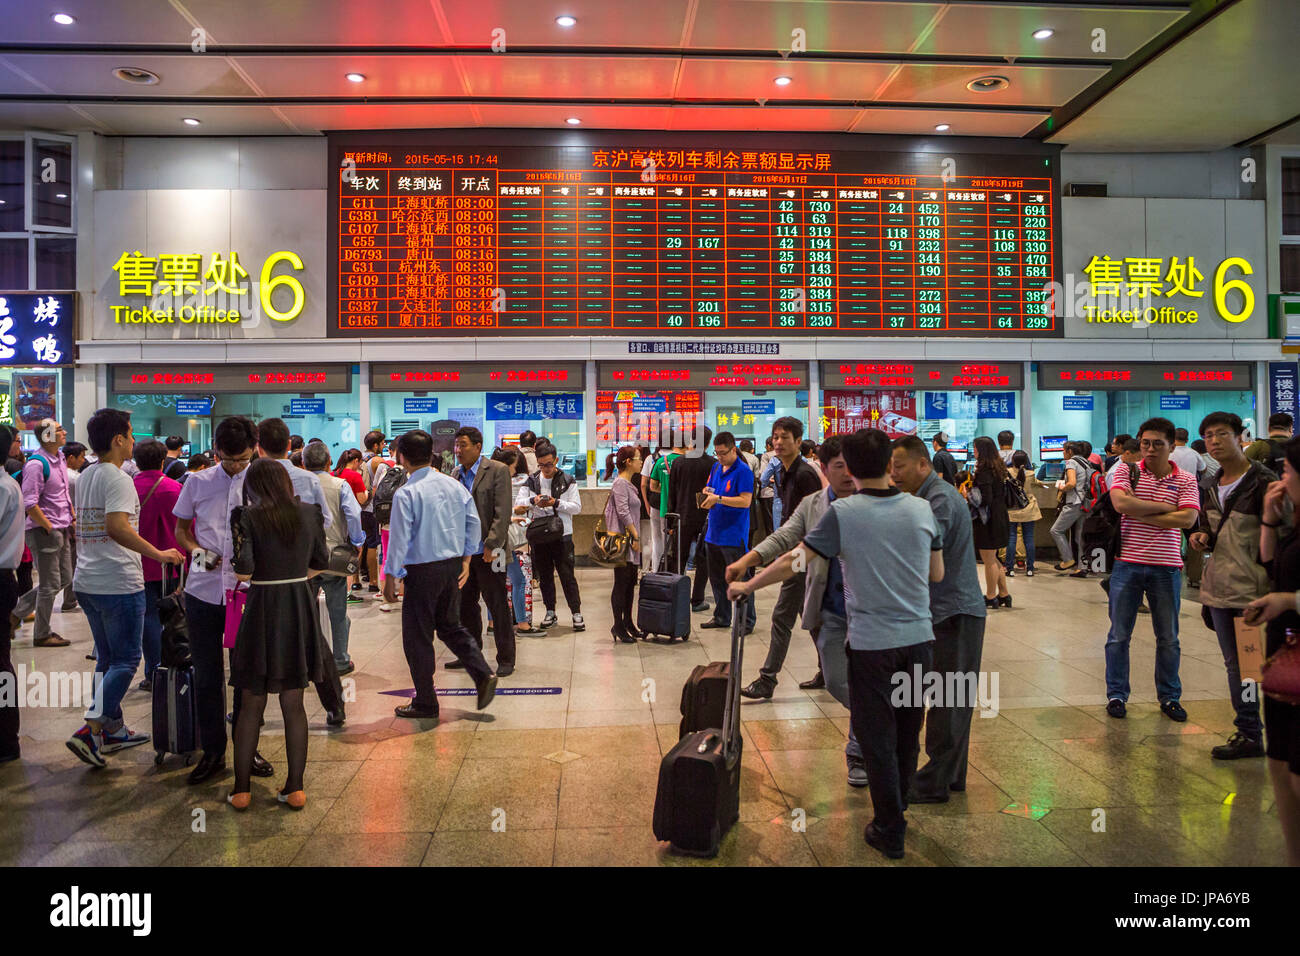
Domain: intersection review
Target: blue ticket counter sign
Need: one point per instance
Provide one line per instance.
(758, 406)
(420, 406)
(1076, 403)
(1282, 392)
(306, 406)
(195, 407)
(511, 405)
(1175, 403)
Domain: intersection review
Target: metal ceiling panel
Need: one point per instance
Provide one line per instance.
(570, 76)
(1233, 77)
(317, 118)
(833, 26)
(327, 75)
(753, 79)
(98, 21)
(962, 123)
(86, 74)
(1005, 30)
(1029, 85)
(769, 118)
(604, 23)
(318, 22)
(47, 116)
(141, 119)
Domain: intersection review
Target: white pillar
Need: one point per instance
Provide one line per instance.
(589, 419)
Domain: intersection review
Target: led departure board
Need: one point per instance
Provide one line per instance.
(619, 235)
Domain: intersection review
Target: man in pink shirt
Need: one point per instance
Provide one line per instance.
(48, 504)
(158, 495)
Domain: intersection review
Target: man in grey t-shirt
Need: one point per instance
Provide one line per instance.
(889, 548)
(957, 607)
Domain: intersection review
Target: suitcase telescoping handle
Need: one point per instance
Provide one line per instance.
(672, 539)
(731, 714)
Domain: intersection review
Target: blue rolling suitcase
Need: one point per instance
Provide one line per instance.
(664, 606)
(175, 713)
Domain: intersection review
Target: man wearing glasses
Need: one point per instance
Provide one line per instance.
(203, 524)
(1155, 509)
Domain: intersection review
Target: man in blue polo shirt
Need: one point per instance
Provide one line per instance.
(727, 499)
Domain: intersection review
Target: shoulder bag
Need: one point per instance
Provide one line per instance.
(343, 557)
(547, 528)
(609, 550)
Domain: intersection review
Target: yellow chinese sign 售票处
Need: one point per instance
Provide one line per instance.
(184, 275)
(1144, 277)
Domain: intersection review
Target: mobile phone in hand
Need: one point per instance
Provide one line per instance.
(1253, 615)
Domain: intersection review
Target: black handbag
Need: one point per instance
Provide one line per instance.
(344, 559)
(547, 529)
(175, 627)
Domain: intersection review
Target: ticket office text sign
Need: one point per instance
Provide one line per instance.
(693, 376)
(620, 236)
(190, 288)
(933, 376)
(1129, 289)
(214, 379)
(1071, 376)
(430, 377)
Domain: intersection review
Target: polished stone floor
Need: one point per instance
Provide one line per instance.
(569, 778)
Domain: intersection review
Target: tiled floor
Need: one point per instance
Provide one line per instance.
(569, 778)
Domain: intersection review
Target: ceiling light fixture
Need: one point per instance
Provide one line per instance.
(64, 19)
(573, 121)
(60, 195)
(566, 21)
(355, 77)
(190, 121)
(942, 127)
(134, 74)
(1043, 34)
(988, 84)
(783, 81)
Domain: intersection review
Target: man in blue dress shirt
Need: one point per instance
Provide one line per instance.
(433, 534)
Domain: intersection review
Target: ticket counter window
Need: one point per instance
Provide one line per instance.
(554, 416)
(162, 406)
(1099, 406)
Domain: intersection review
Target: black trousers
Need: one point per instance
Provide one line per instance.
(548, 559)
(432, 605)
(890, 736)
(958, 648)
(8, 713)
(492, 586)
(622, 599)
(695, 533)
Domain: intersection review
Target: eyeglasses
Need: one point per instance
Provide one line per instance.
(1221, 435)
(1147, 443)
(241, 460)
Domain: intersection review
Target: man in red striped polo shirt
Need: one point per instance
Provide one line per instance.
(1150, 562)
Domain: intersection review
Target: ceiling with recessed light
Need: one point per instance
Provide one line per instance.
(1053, 69)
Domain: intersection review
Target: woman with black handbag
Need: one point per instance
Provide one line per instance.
(279, 543)
(623, 517)
(989, 514)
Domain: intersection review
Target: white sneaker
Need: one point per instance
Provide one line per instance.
(393, 606)
(578, 624)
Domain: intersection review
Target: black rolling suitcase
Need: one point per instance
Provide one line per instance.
(704, 697)
(175, 709)
(664, 605)
(698, 798)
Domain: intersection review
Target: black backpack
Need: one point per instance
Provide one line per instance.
(1101, 524)
(1276, 455)
(393, 479)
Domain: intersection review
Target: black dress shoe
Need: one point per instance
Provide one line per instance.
(209, 766)
(759, 689)
(335, 718)
(817, 683)
(1237, 747)
(505, 670)
(1173, 710)
(700, 607)
(879, 841)
(714, 622)
(347, 668)
(417, 713)
(486, 691)
(915, 796)
(455, 665)
(261, 766)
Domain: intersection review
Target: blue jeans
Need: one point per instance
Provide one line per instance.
(336, 604)
(834, 658)
(1162, 586)
(1028, 528)
(518, 589)
(1247, 711)
(117, 625)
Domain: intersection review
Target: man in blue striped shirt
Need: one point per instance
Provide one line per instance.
(433, 533)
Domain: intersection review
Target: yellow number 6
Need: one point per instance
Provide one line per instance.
(1222, 288)
(271, 283)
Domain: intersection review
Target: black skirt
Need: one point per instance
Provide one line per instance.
(280, 645)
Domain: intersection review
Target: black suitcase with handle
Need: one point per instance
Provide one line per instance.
(698, 798)
(704, 697)
(663, 605)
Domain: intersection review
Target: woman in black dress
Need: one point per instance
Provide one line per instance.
(991, 525)
(1282, 720)
(279, 542)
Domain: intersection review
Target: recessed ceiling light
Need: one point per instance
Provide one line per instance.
(60, 195)
(134, 74)
(988, 84)
(2, 202)
(190, 121)
(573, 121)
(63, 19)
(1043, 34)
(942, 127)
(783, 81)
(355, 77)
(566, 21)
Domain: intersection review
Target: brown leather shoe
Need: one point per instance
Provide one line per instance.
(54, 640)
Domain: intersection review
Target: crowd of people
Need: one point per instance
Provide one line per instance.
(884, 551)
